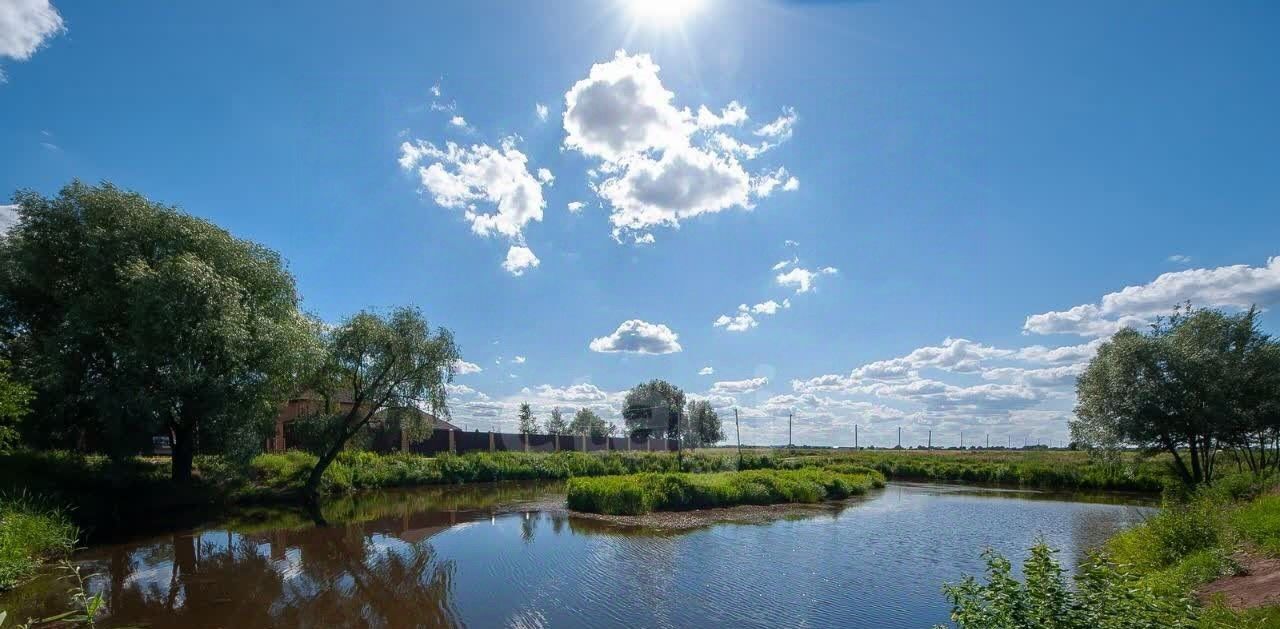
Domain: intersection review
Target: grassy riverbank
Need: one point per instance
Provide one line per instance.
(1162, 573)
(31, 532)
(119, 497)
(1024, 468)
(637, 494)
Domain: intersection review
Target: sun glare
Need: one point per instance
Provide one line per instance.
(662, 11)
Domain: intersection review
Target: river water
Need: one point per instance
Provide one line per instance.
(508, 555)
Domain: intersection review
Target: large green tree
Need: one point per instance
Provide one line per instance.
(14, 400)
(393, 362)
(701, 425)
(587, 422)
(130, 318)
(1198, 381)
(652, 409)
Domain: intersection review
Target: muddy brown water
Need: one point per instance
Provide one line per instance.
(509, 555)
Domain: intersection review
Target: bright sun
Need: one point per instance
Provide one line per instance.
(666, 11)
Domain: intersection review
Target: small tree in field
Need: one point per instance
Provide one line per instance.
(702, 428)
(394, 362)
(557, 425)
(528, 423)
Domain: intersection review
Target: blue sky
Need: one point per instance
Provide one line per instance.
(969, 186)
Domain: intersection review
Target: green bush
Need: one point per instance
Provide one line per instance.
(31, 532)
(636, 494)
(1104, 597)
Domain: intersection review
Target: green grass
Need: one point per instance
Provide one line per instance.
(1023, 468)
(636, 494)
(1259, 523)
(31, 532)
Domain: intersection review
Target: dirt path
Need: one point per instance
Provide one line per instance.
(1257, 585)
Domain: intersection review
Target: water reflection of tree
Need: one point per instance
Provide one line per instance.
(348, 579)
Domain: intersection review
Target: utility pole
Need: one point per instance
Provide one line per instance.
(738, 429)
(899, 437)
(855, 436)
(930, 439)
(988, 441)
(789, 444)
(961, 439)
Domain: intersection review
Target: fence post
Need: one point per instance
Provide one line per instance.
(453, 446)
(584, 442)
(648, 443)
(491, 441)
(556, 440)
(404, 440)
(628, 443)
(524, 439)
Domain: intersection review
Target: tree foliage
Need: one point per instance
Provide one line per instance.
(394, 362)
(587, 422)
(1104, 598)
(557, 425)
(701, 425)
(14, 400)
(130, 319)
(1199, 381)
(652, 409)
(528, 423)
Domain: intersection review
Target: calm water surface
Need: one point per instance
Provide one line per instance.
(506, 555)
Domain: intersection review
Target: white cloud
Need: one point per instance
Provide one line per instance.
(573, 394)
(1236, 286)
(732, 387)
(462, 367)
(644, 239)
(25, 26)
(545, 176)
(458, 121)
(780, 127)
(733, 114)
(1178, 258)
(461, 176)
(541, 111)
(790, 243)
(764, 184)
(462, 390)
(1053, 377)
(435, 89)
(518, 360)
(638, 337)
(8, 218)
(706, 371)
(782, 264)
(621, 109)
(1067, 354)
(802, 279)
(656, 169)
(683, 183)
(744, 319)
(520, 259)
(576, 206)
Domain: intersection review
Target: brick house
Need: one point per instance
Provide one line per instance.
(307, 403)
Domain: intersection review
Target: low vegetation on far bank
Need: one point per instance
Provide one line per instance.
(637, 494)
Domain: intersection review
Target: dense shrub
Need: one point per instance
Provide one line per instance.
(636, 494)
(31, 532)
(1104, 597)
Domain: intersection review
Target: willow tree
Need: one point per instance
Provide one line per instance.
(382, 362)
(1198, 382)
(653, 408)
(130, 318)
